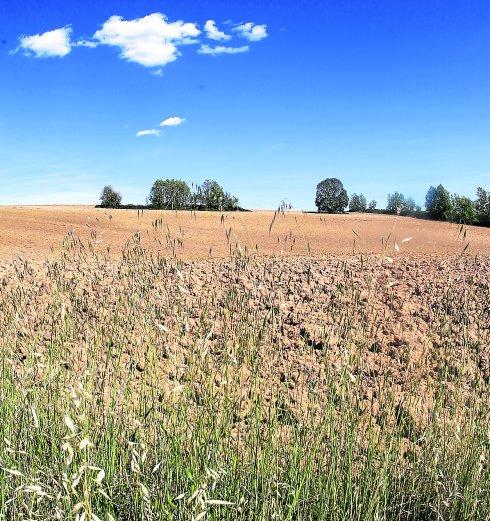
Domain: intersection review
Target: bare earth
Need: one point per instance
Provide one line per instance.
(37, 232)
(421, 306)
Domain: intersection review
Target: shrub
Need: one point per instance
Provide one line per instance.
(110, 198)
(171, 194)
(331, 196)
(357, 203)
(438, 203)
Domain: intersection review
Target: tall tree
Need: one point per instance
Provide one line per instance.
(110, 198)
(396, 203)
(463, 210)
(357, 203)
(482, 204)
(438, 203)
(169, 194)
(331, 196)
(211, 196)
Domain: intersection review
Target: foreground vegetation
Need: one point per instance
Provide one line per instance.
(146, 388)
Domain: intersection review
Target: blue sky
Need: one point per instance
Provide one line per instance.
(385, 95)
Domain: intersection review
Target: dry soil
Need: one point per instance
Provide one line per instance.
(37, 232)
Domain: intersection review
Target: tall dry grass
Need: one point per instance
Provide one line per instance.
(146, 388)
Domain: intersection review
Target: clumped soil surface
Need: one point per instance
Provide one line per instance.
(250, 387)
(37, 232)
(404, 322)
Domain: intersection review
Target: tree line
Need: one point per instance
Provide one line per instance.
(175, 194)
(440, 204)
(331, 197)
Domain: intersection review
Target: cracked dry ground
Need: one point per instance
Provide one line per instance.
(293, 329)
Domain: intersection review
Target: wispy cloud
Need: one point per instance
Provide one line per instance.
(251, 32)
(172, 121)
(213, 33)
(149, 132)
(86, 43)
(55, 43)
(150, 41)
(221, 49)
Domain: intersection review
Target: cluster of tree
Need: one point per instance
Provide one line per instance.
(174, 194)
(398, 203)
(331, 197)
(442, 205)
(358, 203)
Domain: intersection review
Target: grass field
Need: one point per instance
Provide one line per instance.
(309, 377)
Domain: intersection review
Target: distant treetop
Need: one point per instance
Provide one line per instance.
(357, 203)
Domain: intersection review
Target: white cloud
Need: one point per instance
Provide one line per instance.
(86, 43)
(54, 43)
(150, 41)
(221, 49)
(173, 121)
(213, 33)
(149, 132)
(251, 32)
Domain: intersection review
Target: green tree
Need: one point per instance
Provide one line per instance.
(211, 196)
(463, 210)
(110, 198)
(372, 205)
(409, 205)
(357, 203)
(230, 202)
(482, 204)
(438, 203)
(171, 194)
(331, 196)
(396, 202)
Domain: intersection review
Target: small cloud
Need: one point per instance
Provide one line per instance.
(55, 43)
(149, 132)
(213, 33)
(158, 72)
(150, 41)
(251, 32)
(173, 121)
(86, 43)
(221, 49)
